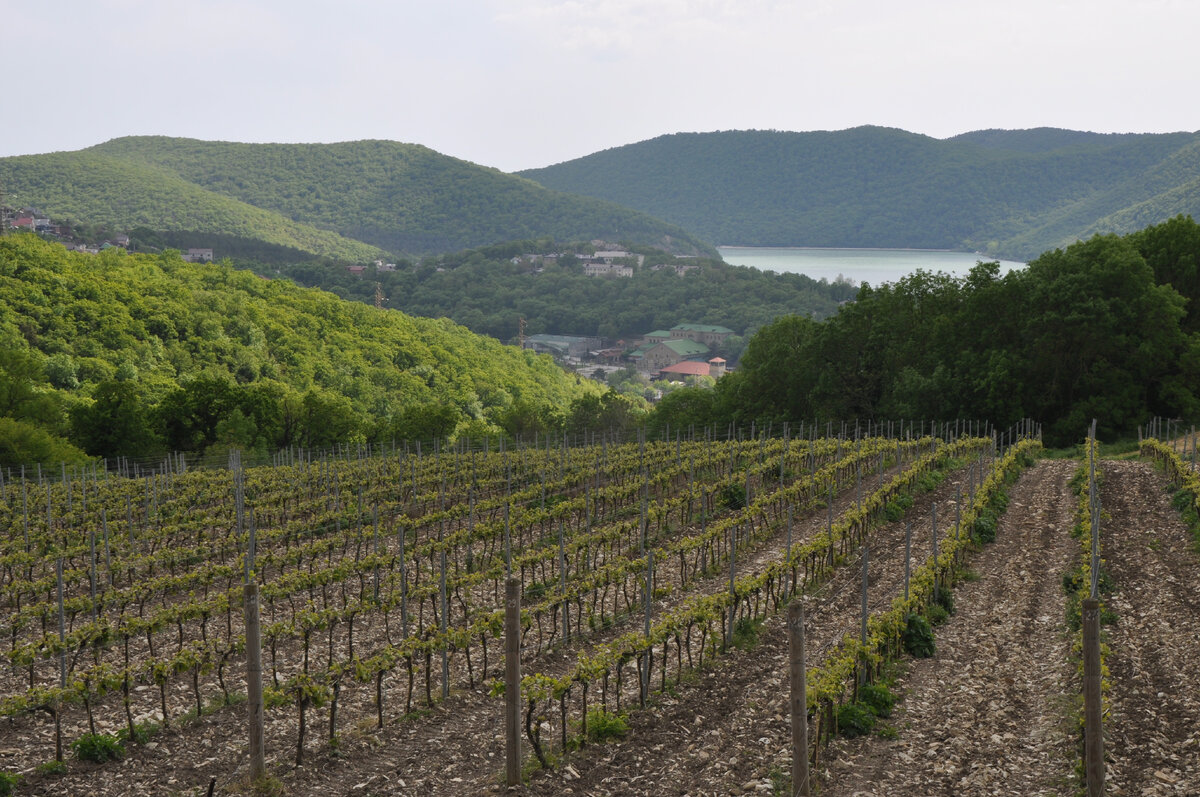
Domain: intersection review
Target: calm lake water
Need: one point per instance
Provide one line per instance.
(875, 266)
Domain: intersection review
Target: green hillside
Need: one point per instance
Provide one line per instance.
(1009, 193)
(486, 291)
(97, 189)
(138, 354)
(347, 201)
(400, 197)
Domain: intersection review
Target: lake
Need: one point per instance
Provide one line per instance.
(875, 266)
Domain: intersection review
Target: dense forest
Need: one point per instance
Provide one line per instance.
(484, 290)
(99, 190)
(1008, 193)
(349, 201)
(1108, 328)
(135, 355)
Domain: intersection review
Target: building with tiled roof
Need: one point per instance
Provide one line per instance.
(708, 334)
(669, 352)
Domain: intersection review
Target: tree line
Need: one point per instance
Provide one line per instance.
(1107, 328)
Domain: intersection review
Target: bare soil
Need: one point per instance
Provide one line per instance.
(989, 714)
(1152, 731)
(992, 713)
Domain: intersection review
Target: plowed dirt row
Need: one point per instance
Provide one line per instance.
(727, 733)
(989, 714)
(1152, 739)
(454, 749)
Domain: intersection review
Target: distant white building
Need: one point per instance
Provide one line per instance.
(601, 269)
(198, 255)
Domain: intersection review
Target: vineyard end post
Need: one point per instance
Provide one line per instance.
(254, 693)
(797, 676)
(1092, 708)
(512, 681)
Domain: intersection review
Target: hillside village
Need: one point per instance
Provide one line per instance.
(685, 353)
(679, 354)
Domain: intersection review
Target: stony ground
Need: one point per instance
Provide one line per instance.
(991, 713)
(988, 714)
(1152, 739)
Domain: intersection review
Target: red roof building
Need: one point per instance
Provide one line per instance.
(684, 369)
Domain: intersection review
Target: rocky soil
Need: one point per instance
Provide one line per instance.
(992, 713)
(1152, 735)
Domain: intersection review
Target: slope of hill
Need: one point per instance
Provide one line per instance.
(194, 342)
(362, 195)
(1010, 193)
(98, 189)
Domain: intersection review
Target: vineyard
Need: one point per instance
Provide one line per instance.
(381, 580)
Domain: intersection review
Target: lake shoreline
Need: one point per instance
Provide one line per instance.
(857, 264)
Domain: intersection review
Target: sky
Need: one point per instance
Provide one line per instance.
(516, 84)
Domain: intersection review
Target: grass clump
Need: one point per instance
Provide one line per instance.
(604, 725)
(745, 633)
(8, 783)
(894, 510)
(98, 748)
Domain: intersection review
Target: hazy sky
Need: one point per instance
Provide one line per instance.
(522, 83)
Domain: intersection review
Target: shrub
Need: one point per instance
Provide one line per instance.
(985, 527)
(945, 599)
(855, 719)
(98, 747)
(8, 783)
(733, 496)
(877, 698)
(894, 510)
(918, 637)
(604, 725)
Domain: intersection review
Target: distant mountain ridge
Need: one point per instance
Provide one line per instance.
(351, 200)
(1011, 193)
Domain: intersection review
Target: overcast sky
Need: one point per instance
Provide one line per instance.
(522, 83)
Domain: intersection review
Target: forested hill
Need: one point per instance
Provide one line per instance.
(1010, 193)
(137, 354)
(345, 200)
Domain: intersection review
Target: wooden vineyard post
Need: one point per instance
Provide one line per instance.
(907, 556)
(733, 606)
(933, 531)
(866, 556)
(62, 658)
(797, 676)
(512, 681)
(254, 693)
(1093, 755)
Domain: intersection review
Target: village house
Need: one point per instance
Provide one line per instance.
(602, 269)
(707, 334)
(198, 255)
(679, 372)
(657, 336)
(679, 268)
(562, 345)
(669, 352)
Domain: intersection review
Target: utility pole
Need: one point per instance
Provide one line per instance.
(379, 295)
(521, 333)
